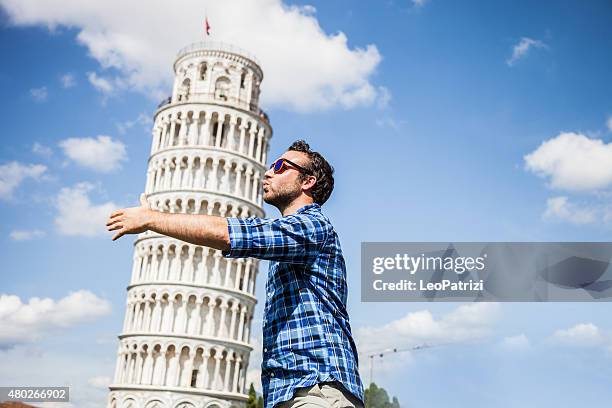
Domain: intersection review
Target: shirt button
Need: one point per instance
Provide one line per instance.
(272, 375)
(265, 350)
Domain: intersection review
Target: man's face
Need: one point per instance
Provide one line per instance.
(281, 189)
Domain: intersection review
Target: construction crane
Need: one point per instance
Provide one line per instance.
(381, 353)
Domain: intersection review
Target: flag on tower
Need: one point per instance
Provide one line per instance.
(206, 26)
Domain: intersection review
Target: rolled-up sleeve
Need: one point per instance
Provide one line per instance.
(295, 238)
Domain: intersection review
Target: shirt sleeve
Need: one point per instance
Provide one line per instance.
(296, 238)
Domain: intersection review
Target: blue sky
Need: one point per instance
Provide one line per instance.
(474, 121)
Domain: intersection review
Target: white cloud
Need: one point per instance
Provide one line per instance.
(26, 235)
(573, 162)
(68, 80)
(581, 335)
(77, 216)
(307, 9)
(42, 150)
(419, 3)
(560, 208)
(107, 86)
(515, 343)
(39, 94)
(521, 49)
(305, 68)
(609, 124)
(99, 382)
(12, 174)
(384, 97)
(390, 122)
(23, 322)
(465, 323)
(143, 120)
(101, 154)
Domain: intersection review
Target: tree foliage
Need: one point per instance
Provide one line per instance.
(377, 397)
(254, 401)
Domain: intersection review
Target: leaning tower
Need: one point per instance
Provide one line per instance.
(185, 338)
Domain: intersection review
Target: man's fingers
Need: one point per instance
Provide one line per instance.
(116, 220)
(114, 227)
(116, 213)
(118, 235)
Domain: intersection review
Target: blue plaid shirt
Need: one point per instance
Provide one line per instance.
(306, 332)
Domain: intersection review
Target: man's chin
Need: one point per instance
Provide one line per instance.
(273, 200)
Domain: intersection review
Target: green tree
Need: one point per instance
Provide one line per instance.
(377, 397)
(252, 401)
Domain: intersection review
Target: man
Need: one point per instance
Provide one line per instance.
(309, 356)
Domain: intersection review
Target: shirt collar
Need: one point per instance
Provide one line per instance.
(308, 207)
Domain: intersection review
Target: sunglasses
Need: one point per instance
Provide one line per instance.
(281, 165)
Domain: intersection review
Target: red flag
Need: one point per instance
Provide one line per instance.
(207, 26)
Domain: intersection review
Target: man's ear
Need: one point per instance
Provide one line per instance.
(309, 182)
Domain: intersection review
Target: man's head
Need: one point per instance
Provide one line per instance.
(304, 175)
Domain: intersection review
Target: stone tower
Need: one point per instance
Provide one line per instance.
(185, 339)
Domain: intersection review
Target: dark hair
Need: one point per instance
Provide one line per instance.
(320, 168)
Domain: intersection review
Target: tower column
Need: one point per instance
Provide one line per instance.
(218, 136)
(226, 377)
(173, 123)
(183, 131)
(145, 378)
(210, 324)
(247, 184)
(259, 141)
(239, 273)
(247, 276)
(206, 129)
(212, 176)
(156, 315)
(173, 368)
(147, 313)
(117, 377)
(241, 146)
(202, 381)
(251, 140)
(221, 331)
(227, 166)
(215, 383)
(187, 369)
(233, 321)
(138, 367)
(238, 179)
(199, 321)
(241, 323)
(234, 387)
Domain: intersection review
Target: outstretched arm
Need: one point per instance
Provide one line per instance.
(205, 230)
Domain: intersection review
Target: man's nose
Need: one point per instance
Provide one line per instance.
(268, 174)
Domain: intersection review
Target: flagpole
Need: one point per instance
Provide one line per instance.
(206, 24)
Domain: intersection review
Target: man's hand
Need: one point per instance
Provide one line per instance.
(198, 229)
(133, 220)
